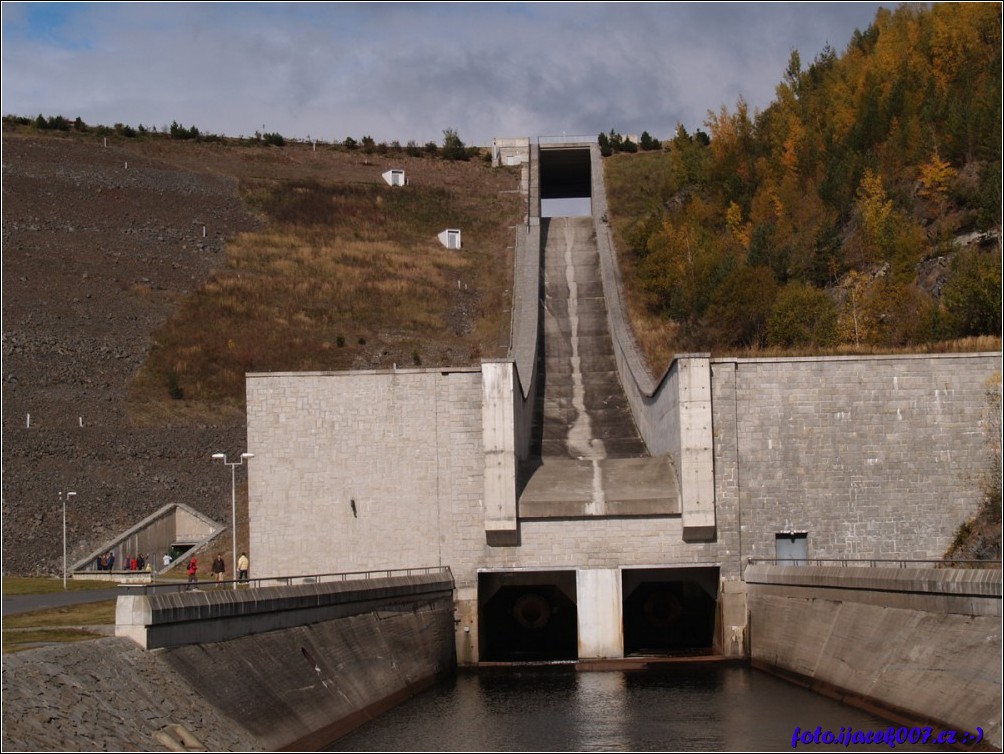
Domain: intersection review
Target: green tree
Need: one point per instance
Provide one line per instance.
(972, 296)
(604, 142)
(453, 147)
(741, 307)
(647, 143)
(802, 316)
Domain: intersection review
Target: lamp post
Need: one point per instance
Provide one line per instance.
(64, 501)
(233, 502)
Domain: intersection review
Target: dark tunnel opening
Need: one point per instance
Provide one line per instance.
(565, 182)
(670, 610)
(527, 616)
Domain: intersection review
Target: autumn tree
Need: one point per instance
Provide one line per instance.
(802, 316)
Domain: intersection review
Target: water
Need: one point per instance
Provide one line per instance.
(685, 708)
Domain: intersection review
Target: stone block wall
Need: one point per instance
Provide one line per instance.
(874, 457)
(361, 470)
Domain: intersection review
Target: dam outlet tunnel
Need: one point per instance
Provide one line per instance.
(669, 610)
(527, 616)
(565, 182)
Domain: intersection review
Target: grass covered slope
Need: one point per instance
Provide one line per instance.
(342, 275)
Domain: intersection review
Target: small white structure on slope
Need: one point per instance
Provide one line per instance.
(450, 238)
(394, 177)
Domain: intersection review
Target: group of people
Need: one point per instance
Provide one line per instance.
(219, 568)
(106, 562)
(141, 562)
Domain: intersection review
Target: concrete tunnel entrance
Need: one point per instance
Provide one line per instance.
(527, 616)
(669, 610)
(565, 182)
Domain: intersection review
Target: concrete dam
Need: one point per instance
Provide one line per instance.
(586, 509)
(770, 509)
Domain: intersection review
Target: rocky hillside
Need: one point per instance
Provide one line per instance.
(98, 246)
(103, 245)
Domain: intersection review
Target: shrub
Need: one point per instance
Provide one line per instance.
(972, 296)
(173, 388)
(802, 316)
(453, 147)
(178, 131)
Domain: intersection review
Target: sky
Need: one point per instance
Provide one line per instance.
(407, 71)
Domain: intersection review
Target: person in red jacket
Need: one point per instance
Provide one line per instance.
(193, 570)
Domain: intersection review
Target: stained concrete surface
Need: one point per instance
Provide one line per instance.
(589, 459)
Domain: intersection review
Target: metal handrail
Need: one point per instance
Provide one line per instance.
(872, 562)
(266, 582)
(567, 139)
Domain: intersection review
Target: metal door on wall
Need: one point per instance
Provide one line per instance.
(791, 547)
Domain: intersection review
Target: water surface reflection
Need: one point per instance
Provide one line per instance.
(682, 708)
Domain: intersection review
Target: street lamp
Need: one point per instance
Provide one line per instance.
(65, 501)
(233, 502)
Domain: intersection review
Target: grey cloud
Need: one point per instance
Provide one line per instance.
(408, 71)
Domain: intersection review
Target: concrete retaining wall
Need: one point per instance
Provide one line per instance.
(157, 617)
(673, 414)
(918, 644)
(510, 386)
(301, 688)
(873, 456)
(355, 650)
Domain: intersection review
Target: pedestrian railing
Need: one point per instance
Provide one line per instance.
(566, 139)
(876, 562)
(274, 581)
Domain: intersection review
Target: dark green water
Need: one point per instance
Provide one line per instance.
(685, 708)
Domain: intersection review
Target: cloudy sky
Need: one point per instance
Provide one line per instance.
(408, 70)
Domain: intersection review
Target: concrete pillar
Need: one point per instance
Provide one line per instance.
(498, 383)
(697, 465)
(599, 606)
(733, 617)
(466, 624)
(132, 616)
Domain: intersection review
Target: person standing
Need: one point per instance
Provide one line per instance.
(219, 567)
(193, 572)
(242, 567)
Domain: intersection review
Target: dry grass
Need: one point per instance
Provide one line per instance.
(13, 585)
(56, 625)
(20, 641)
(341, 276)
